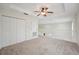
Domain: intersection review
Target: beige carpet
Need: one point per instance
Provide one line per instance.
(42, 46)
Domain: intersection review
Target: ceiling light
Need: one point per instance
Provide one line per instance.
(43, 11)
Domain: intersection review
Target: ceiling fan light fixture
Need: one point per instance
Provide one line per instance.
(43, 11)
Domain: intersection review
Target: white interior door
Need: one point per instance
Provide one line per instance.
(8, 31)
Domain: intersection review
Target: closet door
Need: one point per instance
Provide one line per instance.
(20, 30)
(8, 31)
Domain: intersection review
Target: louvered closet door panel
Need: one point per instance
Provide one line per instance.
(8, 31)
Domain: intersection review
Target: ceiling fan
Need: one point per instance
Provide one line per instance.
(44, 11)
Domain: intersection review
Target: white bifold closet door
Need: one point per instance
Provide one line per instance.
(13, 31)
(8, 31)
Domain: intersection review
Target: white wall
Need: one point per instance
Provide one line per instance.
(77, 27)
(52, 19)
(74, 30)
(32, 27)
(20, 30)
(58, 30)
(0, 32)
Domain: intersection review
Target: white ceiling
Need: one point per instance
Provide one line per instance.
(59, 9)
(30, 8)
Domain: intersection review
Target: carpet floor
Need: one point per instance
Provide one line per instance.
(42, 46)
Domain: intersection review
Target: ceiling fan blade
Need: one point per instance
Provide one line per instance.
(38, 14)
(26, 14)
(50, 12)
(36, 11)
